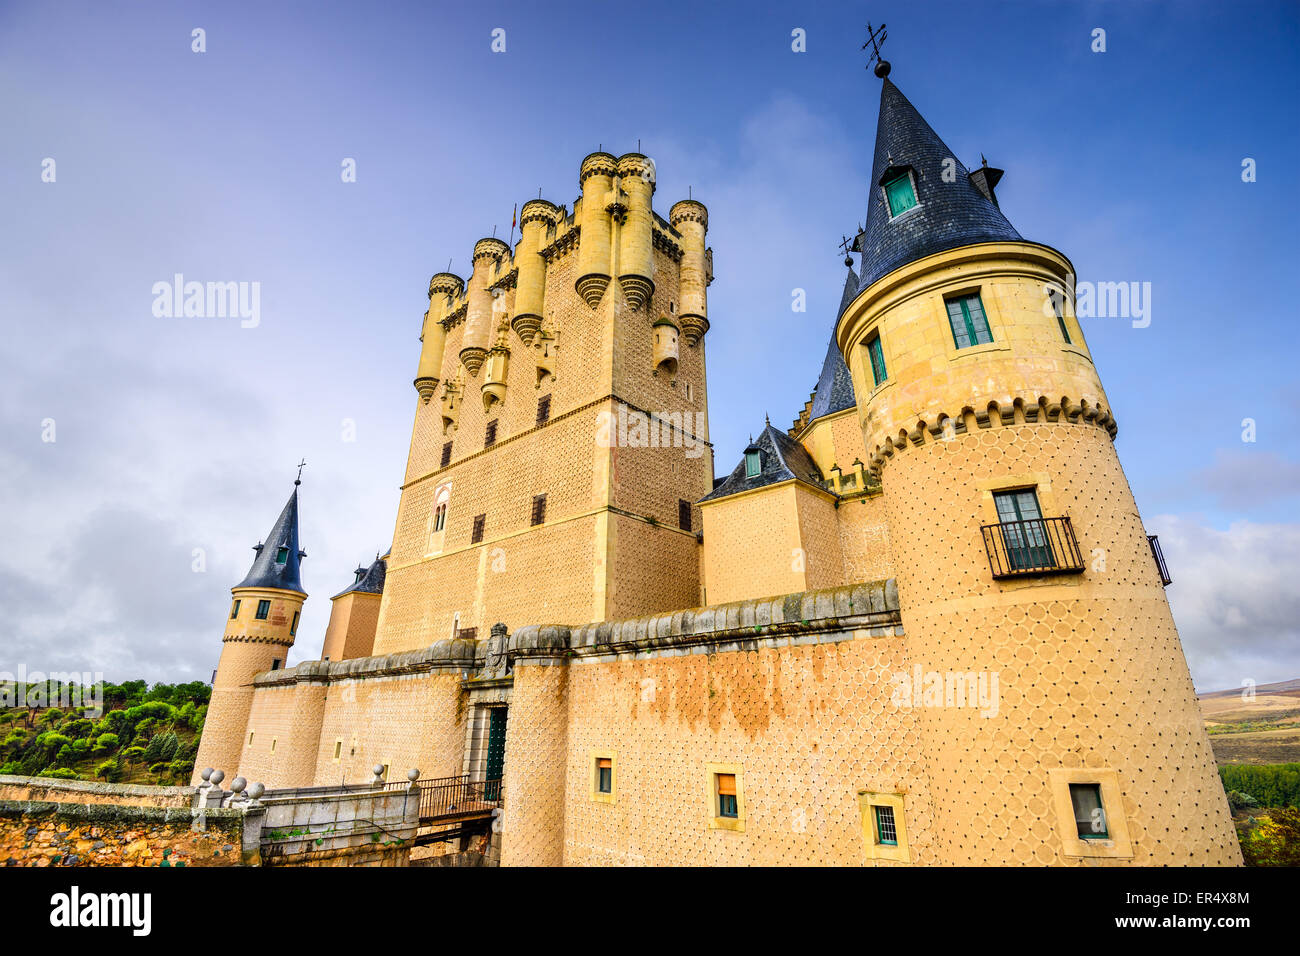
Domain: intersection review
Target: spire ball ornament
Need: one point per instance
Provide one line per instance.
(882, 68)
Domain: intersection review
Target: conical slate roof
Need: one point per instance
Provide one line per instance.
(834, 391)
(781, 458)
(947, 214)
(369, 580)
(278, 561)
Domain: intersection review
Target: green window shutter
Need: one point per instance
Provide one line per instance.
(899, 192)
(263, 610)
(1058, 304)
(970, 326)
(877, 354)
(753, 465)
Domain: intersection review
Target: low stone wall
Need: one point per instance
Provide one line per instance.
(92, 792)
(43, 833)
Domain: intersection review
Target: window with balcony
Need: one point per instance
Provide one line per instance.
(1024, 542)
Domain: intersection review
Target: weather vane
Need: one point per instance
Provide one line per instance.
(848, 246)
(301, 465)
(874, 39)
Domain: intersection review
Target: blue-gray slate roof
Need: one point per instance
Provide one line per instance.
(268, 570)
(947, 215)
(369, 580)
(781, 458)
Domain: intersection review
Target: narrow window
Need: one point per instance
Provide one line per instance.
(1024, 533)
(727, 806)
(468, 634)
(543, 409)
(490, 438)
(604, 775)
(1058, 300)
(969, 324)
(263, 610)
(274, 740)
(753, 464)
(477, 535)
(683, 514)
(439, 517)
(446, 455)
(250, 738)
(877, 354)
(899, 192)
(293, 628)
(886, 830)
(234, 611)
(275, 663)
(338, 749)
(539, 509)
(1089, 815)
(282, 556)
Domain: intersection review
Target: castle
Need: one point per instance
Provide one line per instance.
(923, 625)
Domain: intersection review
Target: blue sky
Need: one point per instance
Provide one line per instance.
(180, 434)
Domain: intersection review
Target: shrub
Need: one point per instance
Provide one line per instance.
(81, 745)
(1240, 801)
(1273, 839)
(1273, 785)
(106, 742)
(52, 741)
(110, 770)
(62, 773)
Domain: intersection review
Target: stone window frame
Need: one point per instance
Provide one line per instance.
(992, 315)
(597, 796)
(900, 851)
(735, 824)
(1117, 846)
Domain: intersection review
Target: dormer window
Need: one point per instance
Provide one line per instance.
(282, 556)
(753, 463)
(900, 192)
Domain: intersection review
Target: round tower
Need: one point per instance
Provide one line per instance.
(479, 310)
(596, 179)
(536, 216)
(1022, 564)
(691, 219)
(636, 177)
(443, 287)
(262, 625)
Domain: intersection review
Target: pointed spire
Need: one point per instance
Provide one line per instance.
(950, 210)
(278, 561)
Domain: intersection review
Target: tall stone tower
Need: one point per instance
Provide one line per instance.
(261, 628)
(561, 438)
(1017, 542)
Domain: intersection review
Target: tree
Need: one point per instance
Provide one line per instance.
(107, 742)
(1273, 839)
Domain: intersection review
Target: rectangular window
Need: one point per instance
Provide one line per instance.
(1089, 815)
(1024, 534)
(877, 354)
(446, 455)
(263, 610)
(899, 192)
(275, 663)
(250, 738)
(282, 556)
(490, 438)
(338, 749)
(969, 324)
(1058, 305)
(604, 775)
(543, 409)
(539, 509)
(468, 634)
(886, 831)
(477, 535)
(234, 611)
(274, 740)
(293, 628)
(753, 464)
(727, 806)
(683, 514)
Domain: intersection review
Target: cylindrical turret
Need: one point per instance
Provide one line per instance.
(530, 285)
(665, 345)
(494, 377)
(594, 244)
(691, 219)
(636, 239)
(442, 288)
(478, 315)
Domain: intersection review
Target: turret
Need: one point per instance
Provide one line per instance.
(665, 345)
(443, 287)
(594, 243)
(479, 323)
(636, 179)
(535, 219)
(260, 629)
(691, 219)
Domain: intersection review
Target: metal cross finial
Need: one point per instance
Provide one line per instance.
(301, 465)
(848, 245)
(874, 39)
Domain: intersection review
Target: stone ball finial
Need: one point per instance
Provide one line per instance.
(882, 68)
(217, 777)
(377, 770)
(413, 775)
(206, 775)
(238, 784)
(256, 790)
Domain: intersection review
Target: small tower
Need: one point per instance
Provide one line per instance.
(1016, 540)
(260, 629)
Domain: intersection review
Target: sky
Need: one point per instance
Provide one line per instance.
(142, 456)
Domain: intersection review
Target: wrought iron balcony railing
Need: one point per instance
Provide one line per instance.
(448, 797)
(1034, 546)
(1159, 555)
